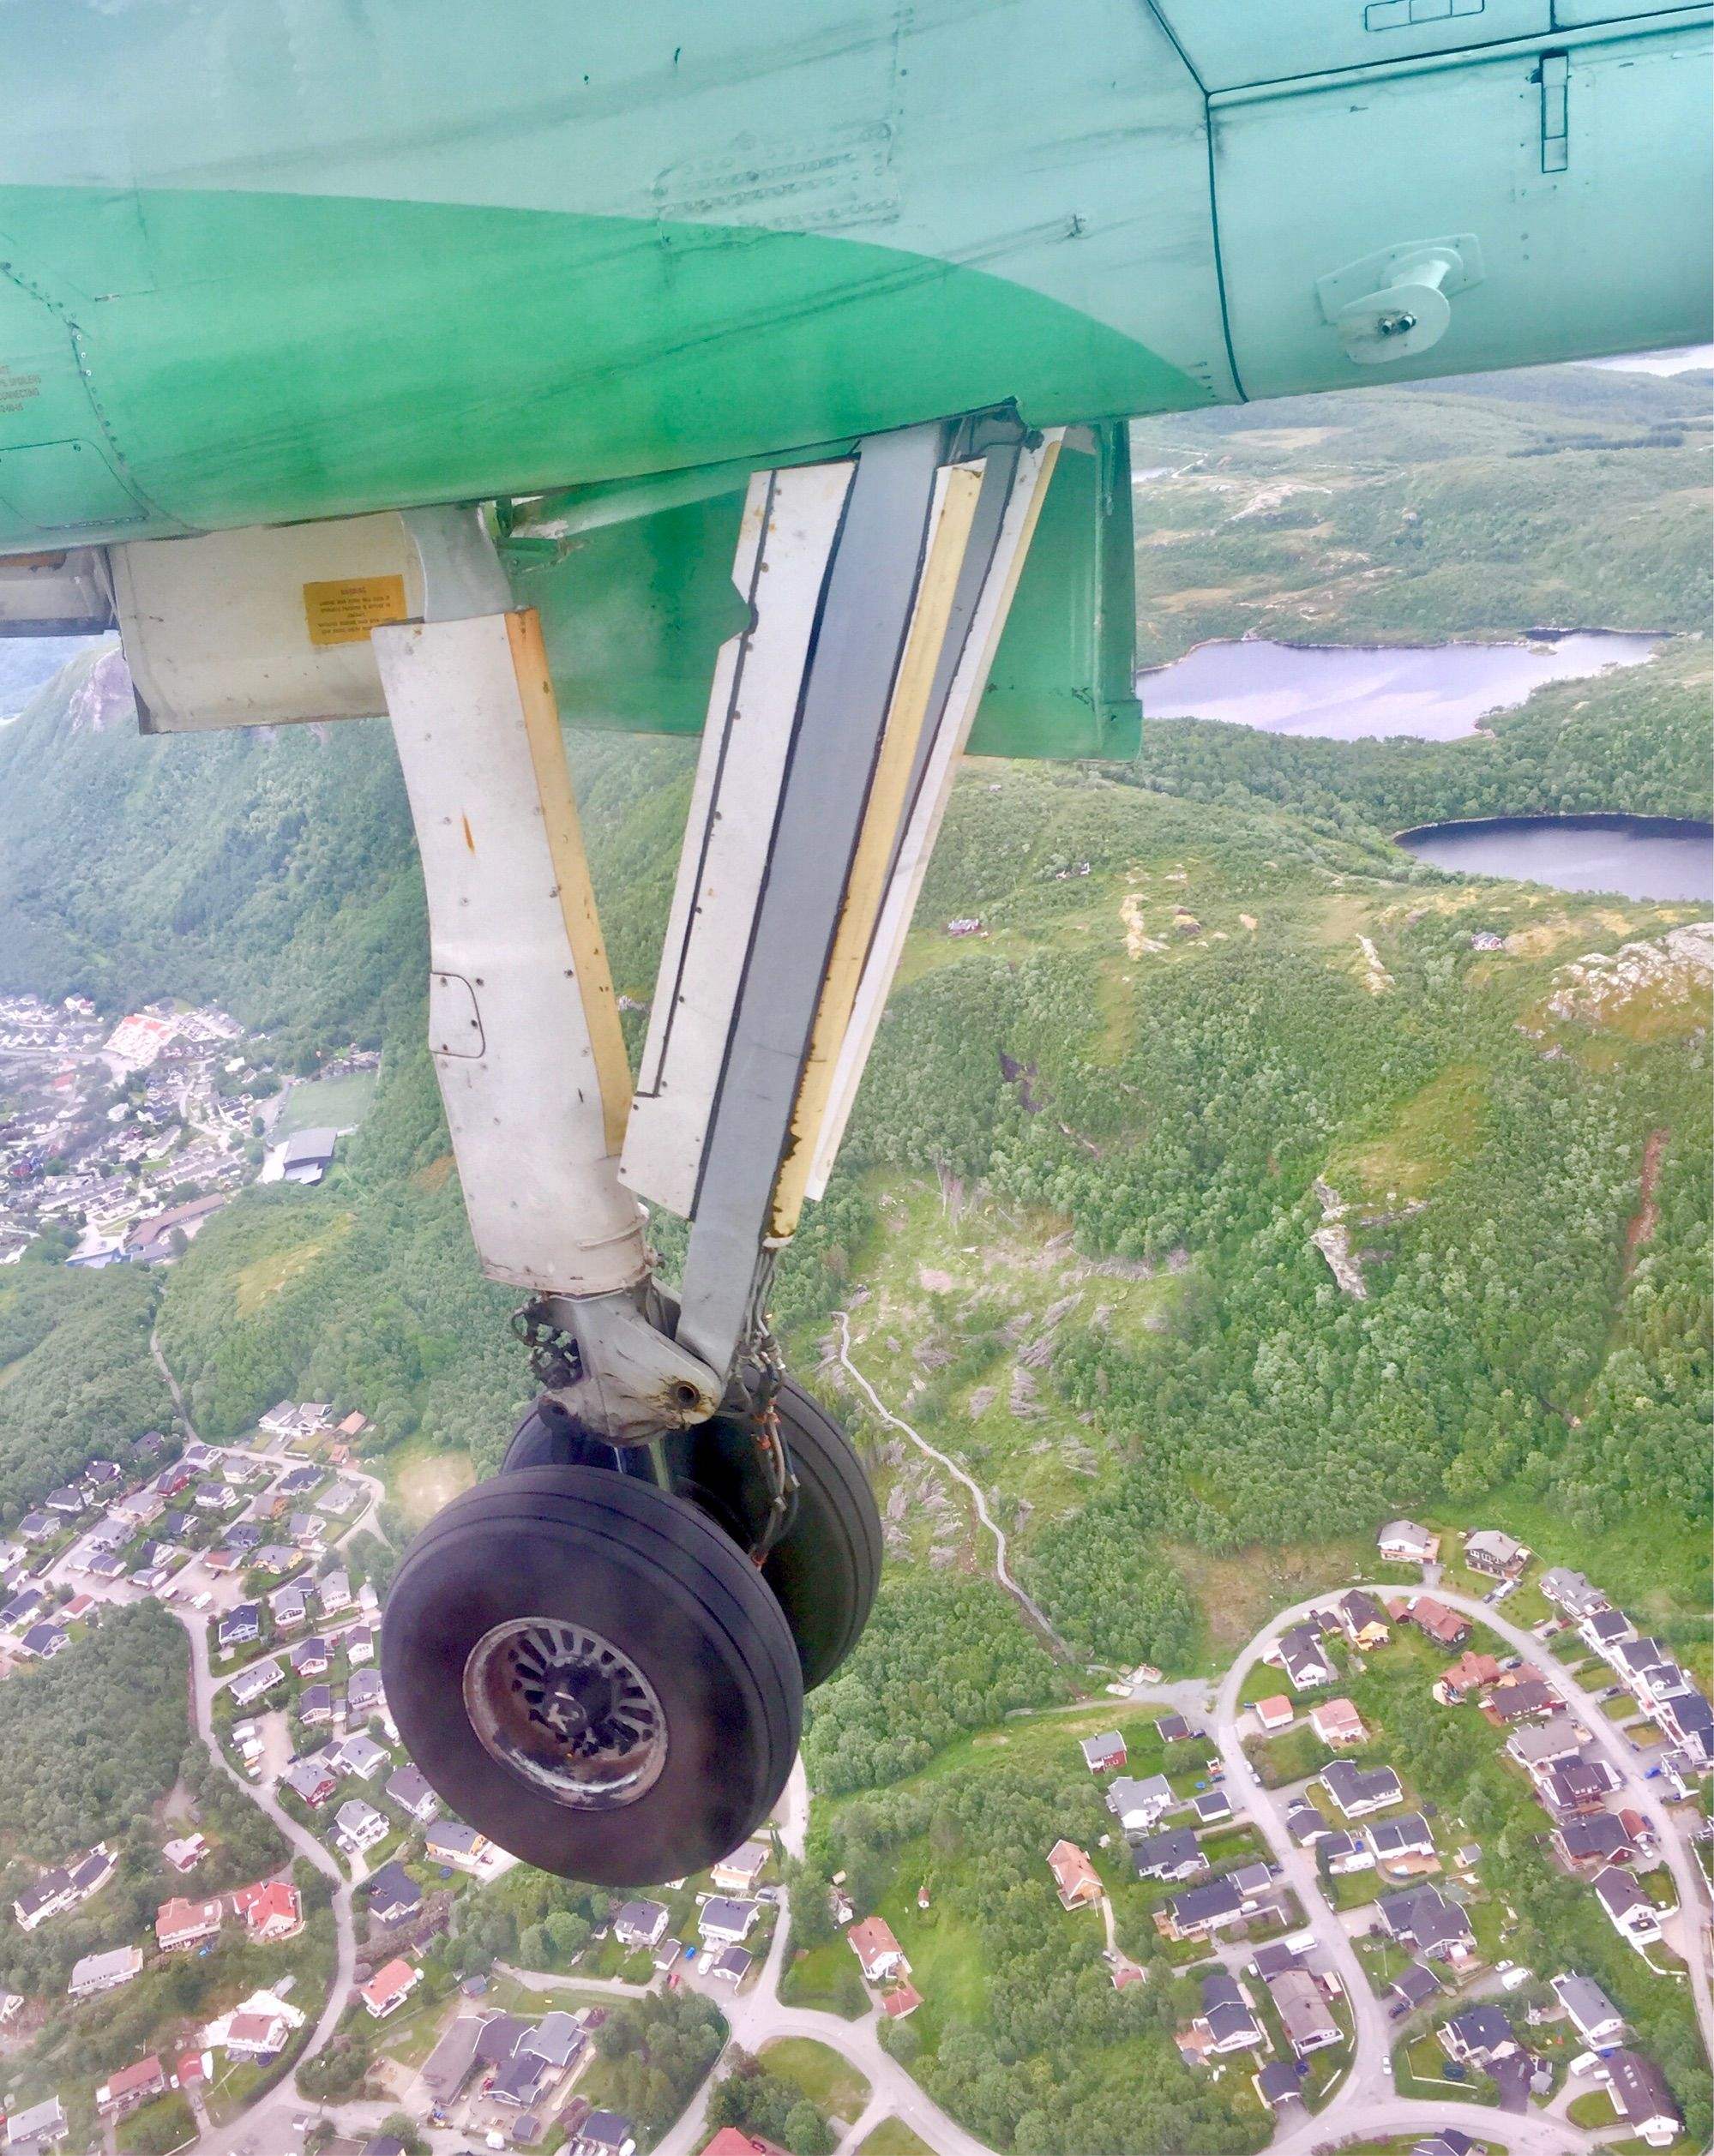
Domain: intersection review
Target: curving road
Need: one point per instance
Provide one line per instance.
(1002, 1570)
(264, 2126)
(1366, 2104)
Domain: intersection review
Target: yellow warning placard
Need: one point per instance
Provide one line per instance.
(344, 609)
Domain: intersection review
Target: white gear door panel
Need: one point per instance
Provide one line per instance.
(791, 522)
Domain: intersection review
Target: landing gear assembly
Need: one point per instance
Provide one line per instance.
(599, 1658)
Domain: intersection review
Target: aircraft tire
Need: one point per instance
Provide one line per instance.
(826, 1564)
(592, 1675)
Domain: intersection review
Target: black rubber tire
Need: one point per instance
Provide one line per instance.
(653, 1573)
(550, 1437)
(826, 1565)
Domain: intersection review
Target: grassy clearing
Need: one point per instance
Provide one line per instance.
(423, 1479)
(830, 2082)
(1434, 1131)
(1239, 1591)
(825, 1979)
(334, 1104)
(893, 2137)
(267, 1276)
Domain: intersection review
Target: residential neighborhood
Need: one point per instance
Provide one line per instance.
(1342, 1932)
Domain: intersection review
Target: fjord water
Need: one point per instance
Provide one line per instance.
(1659, 857)
(1338, 692)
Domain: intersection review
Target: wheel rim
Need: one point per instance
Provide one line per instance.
(563, 1708)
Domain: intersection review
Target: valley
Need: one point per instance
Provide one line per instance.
(1226, 1183)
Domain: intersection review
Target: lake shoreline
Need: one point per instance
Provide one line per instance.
(1568, 820)
(1380, 692)
(1521, 642)
(1661, 860)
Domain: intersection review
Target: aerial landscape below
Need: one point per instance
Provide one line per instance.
(1266, 1279)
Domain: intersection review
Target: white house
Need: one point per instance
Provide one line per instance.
(727, 1923)
(1404, 1542)
(1137, 1805)
(358, 1826)
(1591, 2012)
(105, 1971)
(1629, 1910)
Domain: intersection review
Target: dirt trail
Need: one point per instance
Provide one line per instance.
(1002, 1572)
(1646, 1218)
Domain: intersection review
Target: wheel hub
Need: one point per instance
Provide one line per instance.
(568, 1710)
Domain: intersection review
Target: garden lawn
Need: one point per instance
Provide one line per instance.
(831, 2083)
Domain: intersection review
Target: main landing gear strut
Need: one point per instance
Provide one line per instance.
(599, 1657)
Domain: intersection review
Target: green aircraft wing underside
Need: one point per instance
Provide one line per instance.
(296, 355)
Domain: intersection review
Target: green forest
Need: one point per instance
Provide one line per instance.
(80, 1384)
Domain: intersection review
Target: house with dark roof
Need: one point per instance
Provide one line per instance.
(1359, 1789)
(1177, 1854)
(603, 2134)
(1643, 2098)
(393, 1894)
(1627, 1909)
(724, 1922)
(1477, 2036)
(1606, 1632)
(1305, 1822)
(316, 1706)
(1425, 1920)
(1363, 1619)
(1226, 2022)
(1572, 1785)
(1592, 1839)
(1298, 1651)
(1520, 1699)
(1414, 1986)
(240, 1626)
(1395, 1840)
(1345, 1850)
(640, 1924)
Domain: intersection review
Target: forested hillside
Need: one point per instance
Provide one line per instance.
(79, 1381)
(1128, 1097)
(1562, 496)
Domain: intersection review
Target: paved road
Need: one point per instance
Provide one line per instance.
(264, 2128)
(1002, 1570)
(757, 2017)
(1640, 1793)
(1366, 2104)
(1370, 2078)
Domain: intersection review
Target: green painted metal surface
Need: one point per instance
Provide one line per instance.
(271, 260)
(635, 610)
